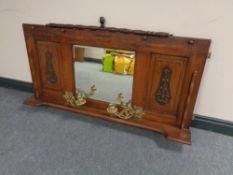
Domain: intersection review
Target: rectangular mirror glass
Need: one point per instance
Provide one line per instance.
(109, 70)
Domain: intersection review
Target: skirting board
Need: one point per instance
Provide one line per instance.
(201, 122)
(16, 84)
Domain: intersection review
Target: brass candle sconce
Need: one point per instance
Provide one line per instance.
(79, 98)
(125, 110)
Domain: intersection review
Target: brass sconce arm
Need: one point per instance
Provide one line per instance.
(79, 98)
(125, 110)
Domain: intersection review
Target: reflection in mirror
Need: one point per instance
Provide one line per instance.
(110, 70)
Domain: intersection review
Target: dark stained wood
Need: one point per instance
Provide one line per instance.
(168, 71)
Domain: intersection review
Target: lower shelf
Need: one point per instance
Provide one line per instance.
(171, 132)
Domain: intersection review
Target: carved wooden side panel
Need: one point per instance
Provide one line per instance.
(165, 84)
(49, 55)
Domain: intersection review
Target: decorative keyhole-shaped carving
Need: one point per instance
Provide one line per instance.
(50, 72)
(163, 94)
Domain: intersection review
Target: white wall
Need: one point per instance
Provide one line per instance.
(196, 18)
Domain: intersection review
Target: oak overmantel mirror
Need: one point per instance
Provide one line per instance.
(139, 78)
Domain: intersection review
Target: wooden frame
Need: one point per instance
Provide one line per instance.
(160, 58)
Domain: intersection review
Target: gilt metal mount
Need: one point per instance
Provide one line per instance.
(79, 98)
(125, 110)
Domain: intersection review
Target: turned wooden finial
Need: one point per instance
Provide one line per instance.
(102, 22)
(191, 42)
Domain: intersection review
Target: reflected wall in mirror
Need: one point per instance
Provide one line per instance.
(110, 70)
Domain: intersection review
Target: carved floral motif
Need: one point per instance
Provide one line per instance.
(163, 94)
(50, 72)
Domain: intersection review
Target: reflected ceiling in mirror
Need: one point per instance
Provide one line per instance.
(109, 70)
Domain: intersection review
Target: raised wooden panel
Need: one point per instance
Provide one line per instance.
(49, 55)
(165, 84)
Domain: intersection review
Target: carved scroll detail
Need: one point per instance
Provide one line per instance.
(163, 94)
(50, 72)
